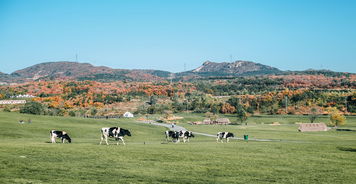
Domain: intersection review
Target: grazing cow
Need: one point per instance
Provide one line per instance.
(224, 135)
(115, 132)
(185, 135)
(59, 134)
(174, 135)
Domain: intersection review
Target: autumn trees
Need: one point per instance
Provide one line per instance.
(336, 118)
(255, 95)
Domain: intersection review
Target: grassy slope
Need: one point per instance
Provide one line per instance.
(324, 157)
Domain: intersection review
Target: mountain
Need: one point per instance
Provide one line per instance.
(4, 78)
(65, 70)
(83, 71)
(237, 68)
(4, 74)
(60, 69)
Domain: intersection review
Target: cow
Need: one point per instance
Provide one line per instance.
(59, 134)
(224, 135)
(115, 132)
(185, 135)
(172, 134)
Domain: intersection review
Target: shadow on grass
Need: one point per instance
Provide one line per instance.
(346, 149)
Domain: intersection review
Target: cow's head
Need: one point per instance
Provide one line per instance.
(66, 136)
(191, 134)
(127, 132)
(230, 134)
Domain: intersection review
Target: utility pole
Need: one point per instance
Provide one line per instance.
(76, 57)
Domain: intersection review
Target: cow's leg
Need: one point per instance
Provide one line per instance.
(101, 139)
(222, 140)
(122, 139)
(227, 139)
(106, 139)
(217, 139)
(53, 139)
(184, 139)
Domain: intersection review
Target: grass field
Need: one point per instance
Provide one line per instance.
(26, 155)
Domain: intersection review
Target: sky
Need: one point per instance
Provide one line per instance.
(178, 35)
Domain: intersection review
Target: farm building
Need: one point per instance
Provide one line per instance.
(11, 102)
(218, 121)
(312, 127)
(128, 115)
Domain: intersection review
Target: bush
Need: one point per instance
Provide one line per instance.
(93, 111)
(71, 113)
(55, 112)
(7, 109)
(32, 108)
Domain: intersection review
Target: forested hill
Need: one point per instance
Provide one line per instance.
(83, 71)
(65, 70)
(237, 68)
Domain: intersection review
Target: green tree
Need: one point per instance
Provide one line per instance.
(241, 114)
(153, 100)
(7, 109)
(314, 114)
(32, 108)
(71, 113)
(93, 111)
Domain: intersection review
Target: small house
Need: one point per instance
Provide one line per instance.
(128, 115)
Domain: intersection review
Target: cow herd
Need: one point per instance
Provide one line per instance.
(176, 136)
(118, 134)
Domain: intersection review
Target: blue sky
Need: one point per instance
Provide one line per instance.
(152, 34)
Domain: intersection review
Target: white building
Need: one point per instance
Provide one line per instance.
(128, 115)
(10, 102)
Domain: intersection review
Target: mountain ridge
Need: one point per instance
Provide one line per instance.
(85, 71)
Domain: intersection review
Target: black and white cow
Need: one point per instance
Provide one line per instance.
(115, 132)
(59, 134)
(174, 135)
(185, 135)
(224, 135)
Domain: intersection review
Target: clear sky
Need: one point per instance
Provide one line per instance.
(168, 34)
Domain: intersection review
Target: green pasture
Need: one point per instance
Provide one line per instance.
(26, 156)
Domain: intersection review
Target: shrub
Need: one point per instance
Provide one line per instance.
(71, 113)
(7, 109)
(32, 108)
